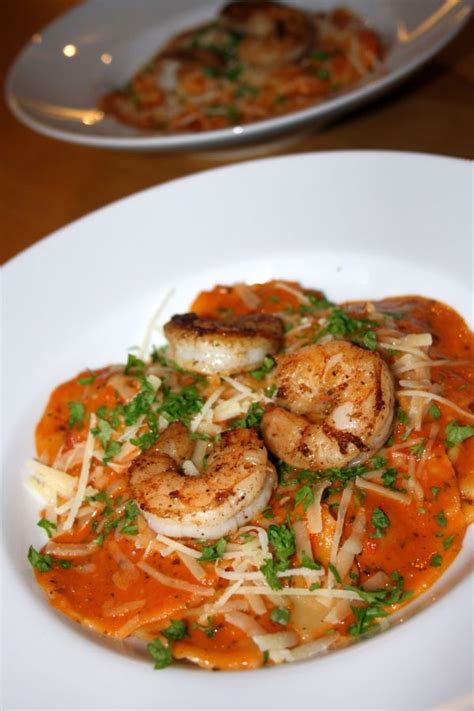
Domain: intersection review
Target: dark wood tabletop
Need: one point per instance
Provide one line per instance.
(46, 183)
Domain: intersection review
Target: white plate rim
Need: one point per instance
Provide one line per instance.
(458, 595)
(235, 135)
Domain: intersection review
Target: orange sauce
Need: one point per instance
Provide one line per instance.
(419, 544)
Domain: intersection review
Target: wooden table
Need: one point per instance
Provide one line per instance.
(47, 183)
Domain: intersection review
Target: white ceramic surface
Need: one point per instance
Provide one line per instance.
(56, 81)
(357, 225)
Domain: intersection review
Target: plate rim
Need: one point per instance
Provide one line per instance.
(238, 135)
(456, 591)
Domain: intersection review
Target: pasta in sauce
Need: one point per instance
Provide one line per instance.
(256, 60)
(199, 503)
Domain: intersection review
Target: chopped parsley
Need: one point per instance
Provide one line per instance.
(267, 365)
(161, 653)
(389, 477)
(365, 617)
(38, 561)
(434, 412)
(282, 540)
(77, 413)
(137, 365)
(62, 563)
(441, 519)
(402, 416)
(130, 518)
(306, 562)
(45, 562)
(252, 418)
(280, 615)
(436, 561)
(176, 630)
(181, 406)
(435, 491)
(87, 379)
(380, 521)
(418, 449)
(340, 325)
(103, 432)
(270, 572)
(214, 552)
(209, 630)
(304, 496)
(448, 542)
(335, 572)
(319, 55)
(48, 526)
(456, 433)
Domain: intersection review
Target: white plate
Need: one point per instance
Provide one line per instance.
(357, 225)
(106, 42)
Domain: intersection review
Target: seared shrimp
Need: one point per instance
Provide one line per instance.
(211, 346)
(235, 486)
(273, 34)
(340, 401)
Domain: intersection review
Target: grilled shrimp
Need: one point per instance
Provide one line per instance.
(273, 34)
(335, 402)
(211, 346)
(235, 486)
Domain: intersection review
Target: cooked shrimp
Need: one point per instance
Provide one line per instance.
(235, 486)
(340, 401)
(212, 346)
(273, 34)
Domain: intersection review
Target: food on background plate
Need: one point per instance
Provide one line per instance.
(274, 483)
(256, 60)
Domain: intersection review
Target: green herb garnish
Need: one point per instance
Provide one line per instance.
(214, 552)
(380, 521)
(252, 418)
(161, 653)
(267, 365)
(456, 433)
(306, 562)
(176, 630)
(38, 561)
(280, 615)
(335, 573)
(48, 526)
(77, 413)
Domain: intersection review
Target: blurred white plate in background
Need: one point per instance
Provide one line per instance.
(57, 80)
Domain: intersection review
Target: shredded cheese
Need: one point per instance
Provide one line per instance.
(244, 622)
(197, 419)
(382, 490)
(294, 292)
(278, 640)
(313, 514)
(54, 479)
(341, 515)
(83, 477)
(174, 583)
(196, 570)
(310, 649)
(438, 398)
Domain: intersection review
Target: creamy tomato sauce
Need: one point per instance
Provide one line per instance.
(253, 61)
(410, 524)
